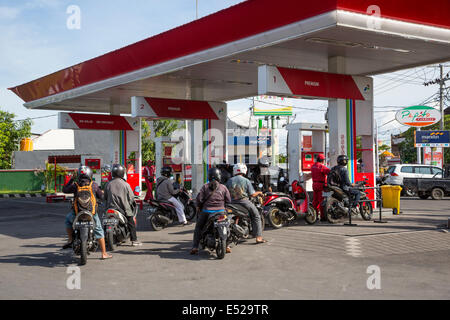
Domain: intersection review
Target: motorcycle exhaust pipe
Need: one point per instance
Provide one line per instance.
(238, 230)
(162, 219)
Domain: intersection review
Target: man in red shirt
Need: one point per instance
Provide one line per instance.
(148, 173)
(319, 174)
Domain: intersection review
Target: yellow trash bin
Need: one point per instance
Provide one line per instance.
(391, 197)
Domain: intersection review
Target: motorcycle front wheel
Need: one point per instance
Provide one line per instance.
(332, 208)
(366, 210)
(275, 219)
(221, 249)
(311, 216)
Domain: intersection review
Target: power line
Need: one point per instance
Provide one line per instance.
(54, 115)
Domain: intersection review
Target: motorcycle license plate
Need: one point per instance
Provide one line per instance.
(109, 221)
(326, 194)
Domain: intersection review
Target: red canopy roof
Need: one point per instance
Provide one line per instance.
(238, 22)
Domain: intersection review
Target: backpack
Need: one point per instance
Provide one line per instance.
(334, 178)
(85, 199)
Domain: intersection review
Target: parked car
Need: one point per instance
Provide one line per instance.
(436, 188)
(396, 173)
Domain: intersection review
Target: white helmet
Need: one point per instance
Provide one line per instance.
(239, 168)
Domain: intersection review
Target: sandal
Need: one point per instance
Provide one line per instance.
(107, 257)
(194, 251)
(262, 241)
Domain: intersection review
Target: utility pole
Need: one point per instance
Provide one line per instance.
(196, 9)
(441, 82)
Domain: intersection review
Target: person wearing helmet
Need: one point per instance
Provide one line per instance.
(241, 190)
(120, 197)
(166, 192)
(210, 200)
(343, 180)
(262, 175)
(319, 174)
(84, 182)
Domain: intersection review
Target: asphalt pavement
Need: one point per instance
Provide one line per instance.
(406, 258)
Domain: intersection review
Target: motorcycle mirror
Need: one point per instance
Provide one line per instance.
(282, 179)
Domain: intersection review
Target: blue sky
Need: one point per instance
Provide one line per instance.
(35, 41)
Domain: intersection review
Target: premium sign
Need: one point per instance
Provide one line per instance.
(161, 108)
(295, 83)
(432, 139)
(418, 116)
(91, 121)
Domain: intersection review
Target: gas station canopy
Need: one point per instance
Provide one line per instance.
(219, 55)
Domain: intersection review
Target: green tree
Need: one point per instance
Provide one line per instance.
(161, 128)
(11, 132)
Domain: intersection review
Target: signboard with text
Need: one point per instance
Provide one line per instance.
(432, 139)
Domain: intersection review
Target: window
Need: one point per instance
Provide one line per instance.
(436, 170)
(391, 169)
(407, 169)
(422, 170)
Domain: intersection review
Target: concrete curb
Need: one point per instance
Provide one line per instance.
(24, 195)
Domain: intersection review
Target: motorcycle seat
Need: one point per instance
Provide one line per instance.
(241, 209)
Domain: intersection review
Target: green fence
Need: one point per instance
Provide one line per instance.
(12, 181)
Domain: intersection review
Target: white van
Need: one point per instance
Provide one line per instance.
(396, 173)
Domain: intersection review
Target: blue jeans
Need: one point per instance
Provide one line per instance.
(98, 230)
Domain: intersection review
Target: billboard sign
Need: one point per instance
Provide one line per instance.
(432, 139)
(418, 116)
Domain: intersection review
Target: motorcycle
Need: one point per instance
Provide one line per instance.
(84, 241)
(282, 209)
(163, 213)
(215, 234)
(241, 224)
(337, 203)
(115, 226)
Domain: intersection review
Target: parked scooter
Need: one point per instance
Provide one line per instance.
(84, 241)
(337, 202)
(116, 229)
(215, 234)
(282, 209)
(163, 213)
(241, 224)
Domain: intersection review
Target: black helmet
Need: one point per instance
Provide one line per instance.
(118, 171)
(166, 171)
(214, 174)
(84, 172)
(342, 160)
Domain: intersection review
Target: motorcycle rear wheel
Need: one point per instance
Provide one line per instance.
(221, 249)
(311, 216)
(83, 252)
(331, 208)
(109, 240)
(156, 225)
(190, 212)
(275, 220)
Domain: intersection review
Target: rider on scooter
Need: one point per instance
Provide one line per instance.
(85, 179)
(120, 197)
(211, 199)
(241, 190)
(166, 192)
(344, 181)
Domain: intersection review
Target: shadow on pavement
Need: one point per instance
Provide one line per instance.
(180, 251)
(46, 259)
